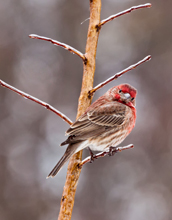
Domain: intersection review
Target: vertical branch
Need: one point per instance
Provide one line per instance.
(74, 170)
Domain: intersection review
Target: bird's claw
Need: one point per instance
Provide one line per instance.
(112, 151)
(91, 156)
(92, 159)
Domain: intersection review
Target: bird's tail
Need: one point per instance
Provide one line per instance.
(71, 149)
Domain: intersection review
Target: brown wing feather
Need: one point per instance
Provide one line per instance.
(107, 120)
(95, 122)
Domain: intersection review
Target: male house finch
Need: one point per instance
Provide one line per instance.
(105, 124)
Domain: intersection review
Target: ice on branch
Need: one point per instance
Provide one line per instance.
(38, 101)
(58, 43)
(91, 92)
(129, 10)
(103, 154)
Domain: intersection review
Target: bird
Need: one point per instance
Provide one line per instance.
(104, 125)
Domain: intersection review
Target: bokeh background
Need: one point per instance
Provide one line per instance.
(135, 184)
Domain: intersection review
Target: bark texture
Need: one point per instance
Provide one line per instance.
(73, 172)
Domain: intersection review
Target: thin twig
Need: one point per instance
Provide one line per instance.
(58, 43)
(103, 154)
(38, 101)
(91, 92)
(110, 18)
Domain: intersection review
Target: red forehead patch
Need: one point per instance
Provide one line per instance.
(126, 88)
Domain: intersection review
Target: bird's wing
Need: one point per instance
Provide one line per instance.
(95, 122)
(112, 114)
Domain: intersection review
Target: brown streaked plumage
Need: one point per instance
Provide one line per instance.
(105, 123)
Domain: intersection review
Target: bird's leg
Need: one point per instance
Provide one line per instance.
(92, 155)
(112, 151)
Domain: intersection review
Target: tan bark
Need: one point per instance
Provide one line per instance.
(73, 172)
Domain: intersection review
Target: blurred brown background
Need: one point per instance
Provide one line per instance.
(135, 184)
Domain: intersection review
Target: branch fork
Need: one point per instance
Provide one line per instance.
(129, 10)
(58, 43)
(117, 75)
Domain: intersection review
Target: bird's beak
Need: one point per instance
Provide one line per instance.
(127, 95)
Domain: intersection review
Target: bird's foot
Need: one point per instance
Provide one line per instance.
(91, 155)
(112, 151)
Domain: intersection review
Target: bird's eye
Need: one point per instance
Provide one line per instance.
(132, 99)
(120, 91)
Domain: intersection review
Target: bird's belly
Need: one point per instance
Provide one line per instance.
(102, 143)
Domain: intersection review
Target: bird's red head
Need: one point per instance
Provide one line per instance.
(125, 94)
